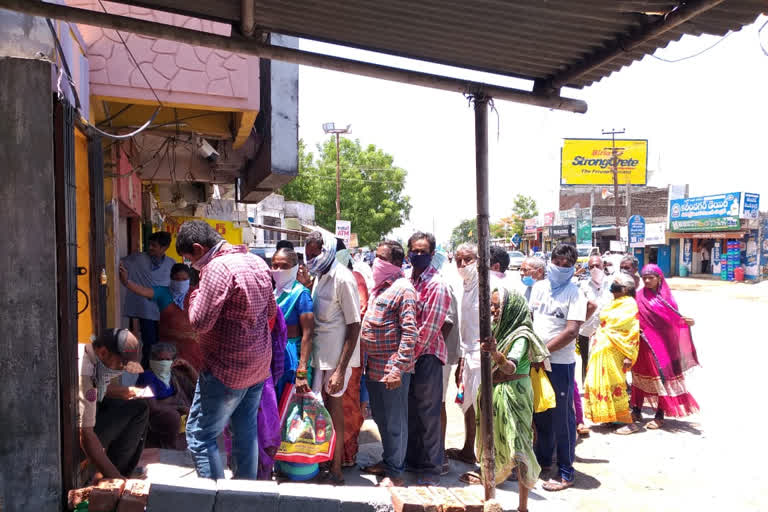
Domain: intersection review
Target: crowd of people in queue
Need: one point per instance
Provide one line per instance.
(215, 357)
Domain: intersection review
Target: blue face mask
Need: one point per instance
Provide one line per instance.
(559, 277)
(179, 290)
(528, 281)
(420, 261)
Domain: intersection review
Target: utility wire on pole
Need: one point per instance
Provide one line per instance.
(615, 164)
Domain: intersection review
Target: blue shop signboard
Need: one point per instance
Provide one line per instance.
(708, 213)
(750, 205)
(637, 231)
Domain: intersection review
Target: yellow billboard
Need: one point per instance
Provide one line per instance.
(227, 229)
(589, 161)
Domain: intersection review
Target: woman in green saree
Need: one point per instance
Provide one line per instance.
(513, 348)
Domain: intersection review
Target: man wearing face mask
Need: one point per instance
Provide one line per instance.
(110, 421)
(559, 308)
(295, 302)
(389, 337)
(174, 323)
(468, 368)
(498, 270)
(532, 269)
(335, 347)
(173, 385)
(425, 448)
(598, 295)
(230, 310)
(631, 266)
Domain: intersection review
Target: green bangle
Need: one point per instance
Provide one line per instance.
(301, 374)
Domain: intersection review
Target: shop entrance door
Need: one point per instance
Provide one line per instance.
(664, 257)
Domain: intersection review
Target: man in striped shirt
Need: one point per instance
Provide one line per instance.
(389, 337)
(425, 447)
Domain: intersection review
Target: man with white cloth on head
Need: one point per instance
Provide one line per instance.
(468, 370)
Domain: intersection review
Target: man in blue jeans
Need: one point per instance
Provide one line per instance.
(230, 310)
(559, 309)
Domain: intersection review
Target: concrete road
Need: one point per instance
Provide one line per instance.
(709, 460)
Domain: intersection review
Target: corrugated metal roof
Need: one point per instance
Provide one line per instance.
(532, 39)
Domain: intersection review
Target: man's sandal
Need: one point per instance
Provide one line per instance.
(557, 485)
(375, 469)
(471, 478)
(630, 428)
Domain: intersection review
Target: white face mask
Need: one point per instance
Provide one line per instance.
(162, 370)
(284, 278)
(598, 275)
(468, 273)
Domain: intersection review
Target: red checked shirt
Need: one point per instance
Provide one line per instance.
(230, 311)
(431, 310)
(389, 334)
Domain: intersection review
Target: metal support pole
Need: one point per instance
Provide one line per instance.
(488, 467)
(338, 181)
(615, 165)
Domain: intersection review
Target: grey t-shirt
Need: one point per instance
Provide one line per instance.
(142, 271)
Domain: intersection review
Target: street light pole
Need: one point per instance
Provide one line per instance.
(331, 128)
(338, 180)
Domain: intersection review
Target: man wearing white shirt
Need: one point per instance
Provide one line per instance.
(335, 347)
(559, 308)
(598, 294)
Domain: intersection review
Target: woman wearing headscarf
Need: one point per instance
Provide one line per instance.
(666, 353)
(614, 348)
(513, 347)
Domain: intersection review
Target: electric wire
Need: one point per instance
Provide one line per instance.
(705, 50)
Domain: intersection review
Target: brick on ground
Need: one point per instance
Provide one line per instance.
(472, 501)
(413, 499)
(105, 495)
(77, 496)
(446, 501)
(134, 497)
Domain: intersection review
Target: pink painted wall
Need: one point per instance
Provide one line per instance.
(179, 73)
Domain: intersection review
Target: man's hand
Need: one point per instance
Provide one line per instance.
(537, 366)
(303, 276)
(689, 321)
(459, 375)
(302, 385)
(391, 381)
(123, 274)
(123, 393)
(336, 382)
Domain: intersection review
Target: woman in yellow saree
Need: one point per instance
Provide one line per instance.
(613, 351)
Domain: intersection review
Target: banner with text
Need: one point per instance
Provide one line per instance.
(590, 161)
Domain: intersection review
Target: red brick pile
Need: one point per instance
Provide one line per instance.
(435, 499)
(112, 494)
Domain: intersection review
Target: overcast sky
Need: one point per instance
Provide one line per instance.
(704, 118)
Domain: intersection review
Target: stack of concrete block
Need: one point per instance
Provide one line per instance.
(112, 494)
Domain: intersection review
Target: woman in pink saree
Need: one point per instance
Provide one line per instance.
(666, 353)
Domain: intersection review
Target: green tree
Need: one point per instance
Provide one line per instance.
(372, 197)
(466, 231)
(524, 207)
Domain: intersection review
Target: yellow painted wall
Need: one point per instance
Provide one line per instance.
(227, 229)
(85, 321)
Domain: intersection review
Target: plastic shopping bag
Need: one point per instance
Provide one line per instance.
(543, 394)
(307, 435)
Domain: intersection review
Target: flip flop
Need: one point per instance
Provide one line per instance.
(456, 454)
(630, 428)
(557, 485)
(654, 424)
(471, 478)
